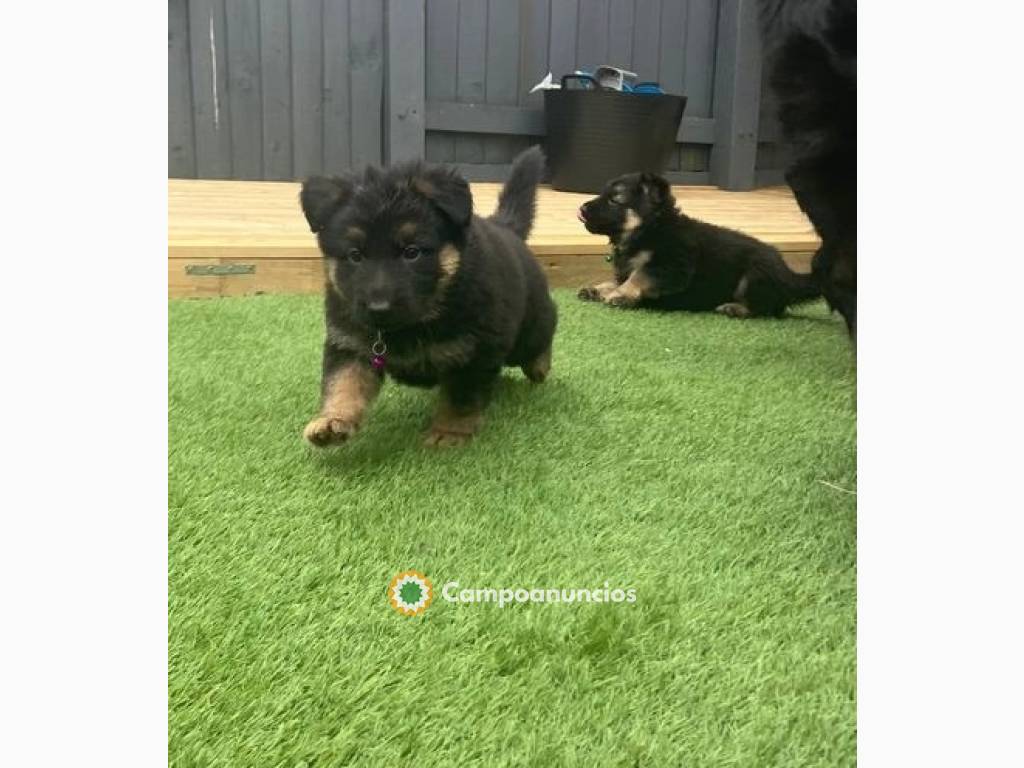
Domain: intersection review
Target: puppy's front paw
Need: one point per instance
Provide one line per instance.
(440, 438)
(621, 300)
(329, 430)
(596, 292)
(733, 309)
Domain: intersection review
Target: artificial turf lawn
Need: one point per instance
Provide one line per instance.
(682, 455)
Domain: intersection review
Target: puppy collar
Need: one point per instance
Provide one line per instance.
(378, 351)
(615, 253)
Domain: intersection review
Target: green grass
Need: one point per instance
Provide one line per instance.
(685, 456)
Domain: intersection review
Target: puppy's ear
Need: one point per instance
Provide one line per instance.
(448, 191)
(655, 190)
(322, 197)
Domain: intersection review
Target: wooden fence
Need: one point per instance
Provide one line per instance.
(281, 89)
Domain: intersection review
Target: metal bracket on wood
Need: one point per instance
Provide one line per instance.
(217, 270)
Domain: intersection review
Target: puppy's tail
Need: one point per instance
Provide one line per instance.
(518, 198)
(799, 287)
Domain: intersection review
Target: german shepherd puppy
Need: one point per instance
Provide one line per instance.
(420, 289)
(664, 259)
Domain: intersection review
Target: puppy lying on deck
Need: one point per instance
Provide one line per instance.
(420, 289)
(664, 259)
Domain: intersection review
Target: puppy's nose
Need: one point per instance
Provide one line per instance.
(379, 306)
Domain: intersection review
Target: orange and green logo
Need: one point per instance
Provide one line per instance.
(410, 593)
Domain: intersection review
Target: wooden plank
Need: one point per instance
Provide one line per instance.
(181, 151)
(471, 71)
(502, 73)
(621, 20)
(212, 115)
(337, 107)
(406, 127)
(646, 36)
(442, 48)
(562, 38)
(592, 35)
(243, 54)
(261, 219)
(276, 89)
(366, 55)
(699, 55)
(534, 25)
(737, 95)
(307, 87)
(493, 118)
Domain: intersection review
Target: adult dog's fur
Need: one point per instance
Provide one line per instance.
(667, 260)
(452, 296)
(811, 55)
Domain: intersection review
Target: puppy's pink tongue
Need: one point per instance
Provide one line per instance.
(580, 216)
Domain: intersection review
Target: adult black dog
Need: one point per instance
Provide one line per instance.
(810, 49)
(421, 289)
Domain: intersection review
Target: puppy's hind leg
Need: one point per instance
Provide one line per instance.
(460, 412)
(738, 306)
(538, 369)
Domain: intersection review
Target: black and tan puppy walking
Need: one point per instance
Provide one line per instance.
(664, 259)
(420, 289)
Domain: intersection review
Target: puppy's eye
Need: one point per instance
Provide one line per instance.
(355, 255)
(411, 252)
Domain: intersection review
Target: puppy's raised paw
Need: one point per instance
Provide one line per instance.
(329, 430)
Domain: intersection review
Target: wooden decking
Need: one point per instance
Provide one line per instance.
(257, 230)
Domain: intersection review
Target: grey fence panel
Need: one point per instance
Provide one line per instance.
(591, 34)
(651, 37)
(181, 150)
(737, 96)
(406, 98)
(366, 57)
(276, 89)
(337, 89)
(307, 87)
(562, 36)
(442, 45)
(281, 89)
(534, 31)
(646, 30)
(211, 114)
(621, 20)
(471, 72)
(244, 96)
(502, 79)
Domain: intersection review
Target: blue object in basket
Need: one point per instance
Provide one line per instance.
(647, 88)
